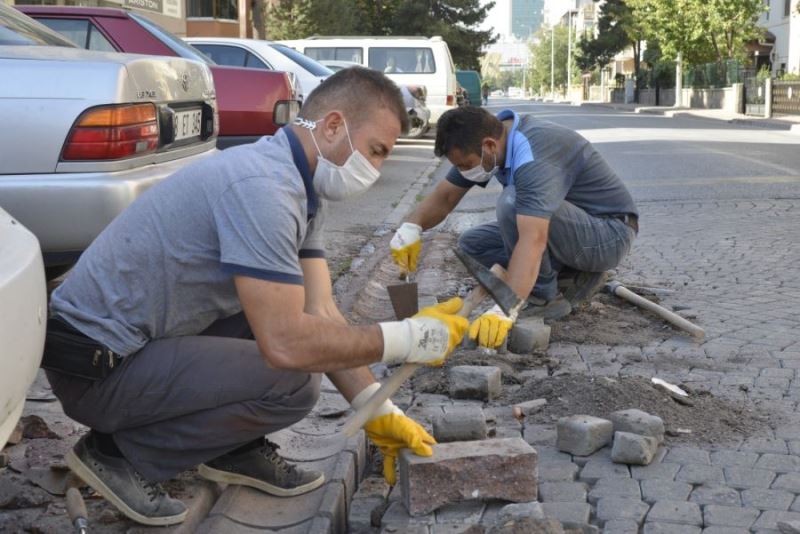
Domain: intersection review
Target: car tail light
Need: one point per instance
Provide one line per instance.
(113, 132)
(285, 111)
(451, 100)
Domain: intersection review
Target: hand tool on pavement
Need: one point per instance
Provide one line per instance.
(404, 297)
(616, 288)
(489, 283)
(76, 507)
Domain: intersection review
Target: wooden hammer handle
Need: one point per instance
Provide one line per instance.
(402, 374)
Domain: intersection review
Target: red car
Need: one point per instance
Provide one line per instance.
(251, 102)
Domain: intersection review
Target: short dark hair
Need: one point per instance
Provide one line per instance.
(357, 92)
(464, 128)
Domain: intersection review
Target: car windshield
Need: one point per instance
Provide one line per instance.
(173, 42)
(18, 29)
(317, 69)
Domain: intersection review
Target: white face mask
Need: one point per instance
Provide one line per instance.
(338, 182)
(478, 174)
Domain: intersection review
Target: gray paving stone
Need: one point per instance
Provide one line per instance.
(688, 455)
(359, 518)
(475, 382)
(575, 512)
(795, 507)
(765, 445)
(670, 528)
(638, 422)
(770, 518)
(766, 499)
(664, 490)
(464, 512)
(582, 435)
(520, 510)
(734, 458)
(540, 435)
(550, 455)
(780, 463)
(621, 526)
(655, 471)
(745, 477)
(397, 515)
(700, 474)
(729, 516)
(633, 449)
(598, 468)
(788, 482)
(725, 530)
(680, 512)
(562, 492)
(621, 488)
(558, 472)
(722, 495)
(611, 508)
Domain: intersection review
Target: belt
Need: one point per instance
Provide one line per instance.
(69, 351)
(630, 220)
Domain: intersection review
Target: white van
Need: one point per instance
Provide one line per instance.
(406, 60)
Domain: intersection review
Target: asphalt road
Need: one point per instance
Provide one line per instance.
(662, 158)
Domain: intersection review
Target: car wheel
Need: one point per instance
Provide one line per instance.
(417, 129)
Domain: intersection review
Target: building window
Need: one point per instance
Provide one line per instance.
(214, 9)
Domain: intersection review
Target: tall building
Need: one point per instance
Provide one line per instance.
(526, 18)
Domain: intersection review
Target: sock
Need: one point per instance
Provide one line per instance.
(106, 445)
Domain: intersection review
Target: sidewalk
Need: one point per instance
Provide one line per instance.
(782, 122)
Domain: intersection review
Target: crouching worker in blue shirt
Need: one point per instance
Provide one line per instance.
(562, 208)
(200, 319)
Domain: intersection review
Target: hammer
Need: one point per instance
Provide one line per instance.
(490, 284)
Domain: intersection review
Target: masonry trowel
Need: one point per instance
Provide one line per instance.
(404, 297)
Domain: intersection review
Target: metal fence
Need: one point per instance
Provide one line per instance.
(786, 97)
(711, 75)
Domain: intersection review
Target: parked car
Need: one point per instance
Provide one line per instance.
(419, 116)
(86, 132)
(23, 308)
(470, 80)
(252, 103)
(406, 60)
(265, 55)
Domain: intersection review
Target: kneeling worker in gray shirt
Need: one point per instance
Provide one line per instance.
(562, 208)
(208, 305)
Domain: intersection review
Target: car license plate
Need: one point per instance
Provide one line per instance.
(187, 124)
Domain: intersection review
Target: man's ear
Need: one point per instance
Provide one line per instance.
(331, 123)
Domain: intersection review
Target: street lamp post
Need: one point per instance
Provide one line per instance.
(553, 63)
(569, 51)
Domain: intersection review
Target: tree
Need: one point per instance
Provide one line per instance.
(539, 72)
(290, 19)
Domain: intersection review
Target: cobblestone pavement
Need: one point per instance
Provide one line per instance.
(733, 264)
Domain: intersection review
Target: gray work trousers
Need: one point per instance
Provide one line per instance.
(576, 239)
(179, 402)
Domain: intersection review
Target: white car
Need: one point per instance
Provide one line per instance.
(259, 54)
(86, 132)
(23, 313)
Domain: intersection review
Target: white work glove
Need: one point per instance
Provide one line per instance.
(406, 245)
(426, 338)
(490, 329)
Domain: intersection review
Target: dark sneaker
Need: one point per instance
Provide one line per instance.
(264, 469)
(116, 480)
(551, 310)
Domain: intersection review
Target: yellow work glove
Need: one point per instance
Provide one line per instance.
(391, 431)
(491, 328)
(406, 245)
(426, 338)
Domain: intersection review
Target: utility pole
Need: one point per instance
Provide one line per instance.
(553, 63)
(569, 51)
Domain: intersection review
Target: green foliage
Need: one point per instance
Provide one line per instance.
(454, 20)
(539, 71)
(288, 18)
(789, 77)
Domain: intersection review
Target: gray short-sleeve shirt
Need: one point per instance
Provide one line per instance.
(165, 266)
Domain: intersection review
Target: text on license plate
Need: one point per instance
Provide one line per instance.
(187, 123)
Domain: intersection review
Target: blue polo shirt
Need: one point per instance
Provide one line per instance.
(548, 164)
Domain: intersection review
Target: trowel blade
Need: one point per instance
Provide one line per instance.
(405, 299)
